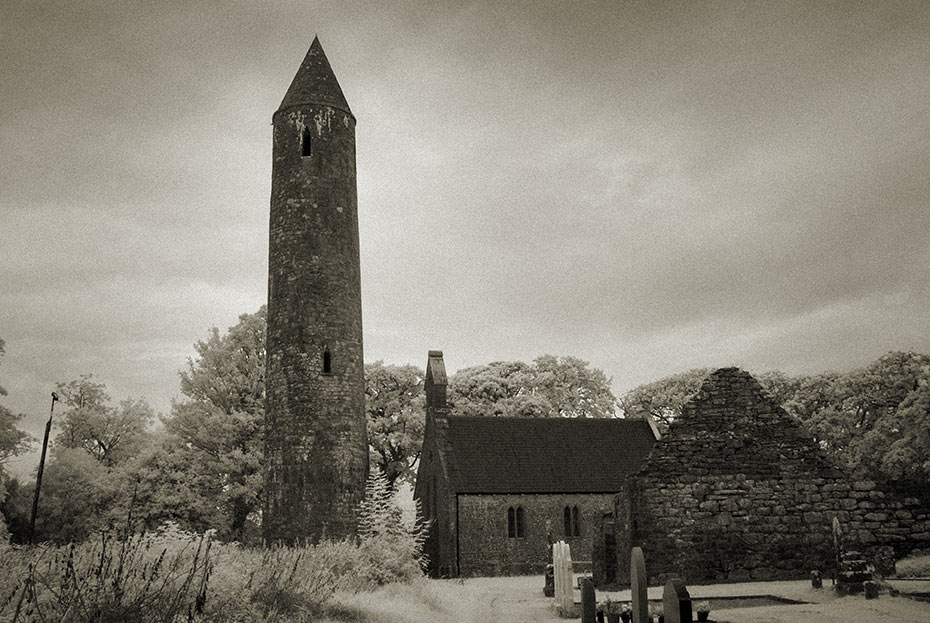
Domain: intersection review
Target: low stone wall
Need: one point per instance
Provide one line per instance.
(738, 490)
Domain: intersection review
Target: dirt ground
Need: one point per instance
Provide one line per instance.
(520, 599)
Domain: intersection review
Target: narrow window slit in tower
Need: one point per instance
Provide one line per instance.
(305, 143)
(327, 362)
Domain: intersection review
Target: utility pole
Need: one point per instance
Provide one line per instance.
(35, 500)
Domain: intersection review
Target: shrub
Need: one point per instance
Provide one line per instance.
(297, 579)
(914, 567)
(389, 550)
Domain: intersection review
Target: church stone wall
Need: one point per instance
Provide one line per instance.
(486, 550)
(436, 501)
(737, 490)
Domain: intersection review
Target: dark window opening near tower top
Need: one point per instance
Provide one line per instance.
(327, 362)
(305, 143)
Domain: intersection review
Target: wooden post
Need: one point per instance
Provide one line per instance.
(35, 499)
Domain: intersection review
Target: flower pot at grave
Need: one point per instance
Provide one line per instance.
(702, 616)
(614, 617)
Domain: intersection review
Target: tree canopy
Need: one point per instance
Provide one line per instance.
(111, 435)
(549, 387)
(395, 410)
(663, 399)
(13, 441)
(216, 432)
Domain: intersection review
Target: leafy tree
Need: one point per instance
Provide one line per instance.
(549, 387)
(16, 507)
(111, 435)
(218, 429)
(89, 459)
(164, 485)
(870, 416)
(663, 399)
(78, 497)
(907, 438)
(395, 409)
(229, 372)
(572, 388)
(13, 441)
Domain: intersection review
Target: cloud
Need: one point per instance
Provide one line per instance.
(652, 188)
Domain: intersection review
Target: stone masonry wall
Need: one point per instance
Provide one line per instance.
(486, 550)
(437, 501)
(738, 490)
(316, 449)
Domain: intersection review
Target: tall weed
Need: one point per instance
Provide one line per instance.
(145, 578)
(172, 575)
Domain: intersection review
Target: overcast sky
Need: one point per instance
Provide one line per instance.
(651, 187)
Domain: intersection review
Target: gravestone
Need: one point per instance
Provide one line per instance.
(588, 602)
(638, 586)
(837, 540)
(853, 573)
(883, 558)
(549, 586)
(676, 602)
(562, 577)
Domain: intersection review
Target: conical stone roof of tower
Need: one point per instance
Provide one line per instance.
(315, 83)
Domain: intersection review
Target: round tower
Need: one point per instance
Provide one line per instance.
(316, 446)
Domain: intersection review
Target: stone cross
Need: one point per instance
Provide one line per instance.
(588, 602)
(638, 586)
(676, 602)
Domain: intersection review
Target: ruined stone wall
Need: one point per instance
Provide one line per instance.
(738, 490)
(485, 548)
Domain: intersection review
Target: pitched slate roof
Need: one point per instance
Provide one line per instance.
(542, 455)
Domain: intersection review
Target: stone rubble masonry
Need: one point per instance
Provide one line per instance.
(738, 490)
(316, 448)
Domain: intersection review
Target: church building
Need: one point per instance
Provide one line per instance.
(498, 490)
